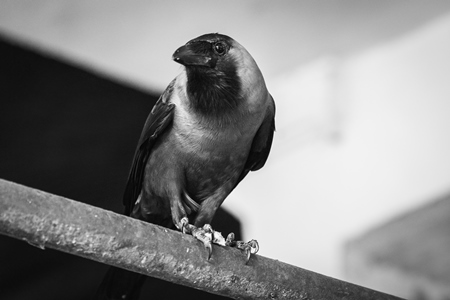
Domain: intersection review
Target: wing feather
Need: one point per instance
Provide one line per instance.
(157, 122)
(261, 144)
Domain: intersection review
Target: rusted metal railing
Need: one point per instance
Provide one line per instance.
(50, 221)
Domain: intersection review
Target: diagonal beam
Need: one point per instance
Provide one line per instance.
(49, 221)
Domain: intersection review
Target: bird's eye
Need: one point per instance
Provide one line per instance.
(220, 48)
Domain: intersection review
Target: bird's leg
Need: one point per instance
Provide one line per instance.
(251, 247)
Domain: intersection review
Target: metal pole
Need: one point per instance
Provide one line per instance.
(49, 221)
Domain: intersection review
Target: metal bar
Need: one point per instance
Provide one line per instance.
(49, 221)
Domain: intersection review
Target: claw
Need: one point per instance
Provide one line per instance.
(209, 248)
(209, 234)
(230, 240)
(249, 248)
(248, 253)
(207, 228)
(254, 246)
(183, 223)
(205, 235)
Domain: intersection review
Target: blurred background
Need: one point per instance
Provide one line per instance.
(357, 185)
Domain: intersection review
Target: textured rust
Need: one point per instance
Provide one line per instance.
(48, 221)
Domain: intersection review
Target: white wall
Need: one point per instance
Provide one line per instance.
(359, 141)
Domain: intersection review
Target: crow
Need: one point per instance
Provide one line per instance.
(213, 124)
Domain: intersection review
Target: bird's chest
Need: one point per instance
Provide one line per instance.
(213, 146)
(212, 155)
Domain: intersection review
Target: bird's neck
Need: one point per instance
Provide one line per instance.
(213, 94)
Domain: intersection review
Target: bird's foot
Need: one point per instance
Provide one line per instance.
(204, 234)
(251, 247)
(208, 236)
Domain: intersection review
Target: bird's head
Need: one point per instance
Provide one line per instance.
(220, 72)
(209, 50)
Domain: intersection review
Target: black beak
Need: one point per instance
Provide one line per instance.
(187, 56)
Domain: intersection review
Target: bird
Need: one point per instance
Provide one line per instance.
(213, 124)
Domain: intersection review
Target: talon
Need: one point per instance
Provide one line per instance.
(249, 248)
(207, 228)
(209, 234)
(183, 224)
(208, 247)
(248, 252)
(230, 240)
(254, 246)
(204, 235)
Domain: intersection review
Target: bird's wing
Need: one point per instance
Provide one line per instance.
(261, 143)
(157, 121)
